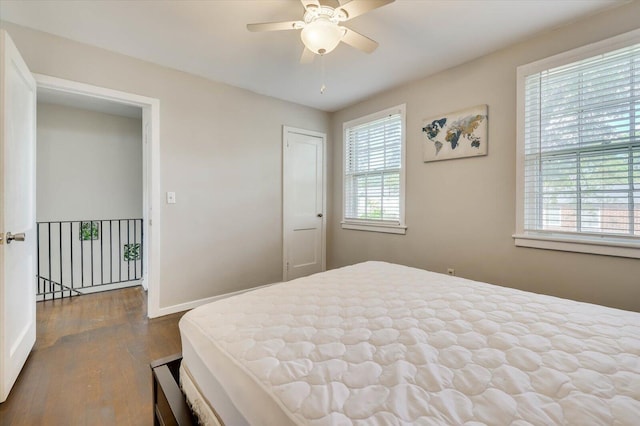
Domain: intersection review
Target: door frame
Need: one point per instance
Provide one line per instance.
(286, 130)
(150, 171)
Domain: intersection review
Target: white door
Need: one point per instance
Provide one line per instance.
(17, 214)
(304, 219)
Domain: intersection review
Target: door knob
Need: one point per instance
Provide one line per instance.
(319, 215)
(17, 237)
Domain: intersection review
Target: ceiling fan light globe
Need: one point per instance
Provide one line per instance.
(321, 36)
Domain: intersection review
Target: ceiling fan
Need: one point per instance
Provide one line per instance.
(321, 29)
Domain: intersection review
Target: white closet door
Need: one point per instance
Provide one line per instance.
(303, 203)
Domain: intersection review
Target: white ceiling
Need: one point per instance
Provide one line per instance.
(210, 39)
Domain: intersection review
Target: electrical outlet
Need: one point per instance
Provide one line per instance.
(451, 271)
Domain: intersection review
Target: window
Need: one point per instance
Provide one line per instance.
(579, 150)
(374, 151)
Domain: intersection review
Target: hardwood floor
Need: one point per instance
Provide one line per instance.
(90, 364)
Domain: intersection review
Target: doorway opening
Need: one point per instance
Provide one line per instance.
(97, 187)
(89, 195)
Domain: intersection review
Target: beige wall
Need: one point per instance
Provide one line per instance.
(89, 165)
(461, 213)
(220, 150)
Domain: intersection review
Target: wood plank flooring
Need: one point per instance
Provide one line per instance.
(90, 364)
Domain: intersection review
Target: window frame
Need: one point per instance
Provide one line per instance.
(622, 246)
(377, 225)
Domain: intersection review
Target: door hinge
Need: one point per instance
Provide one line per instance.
(287, 266)
(150, 222)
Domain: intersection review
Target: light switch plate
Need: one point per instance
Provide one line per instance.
(171, 197)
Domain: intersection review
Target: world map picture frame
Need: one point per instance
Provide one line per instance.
(457, 134)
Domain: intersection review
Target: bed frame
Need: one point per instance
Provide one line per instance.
(169, 405)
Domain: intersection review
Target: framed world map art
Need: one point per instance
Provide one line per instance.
(455, 135)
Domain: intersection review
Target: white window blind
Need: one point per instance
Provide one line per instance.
(582, 147)
(373, 175)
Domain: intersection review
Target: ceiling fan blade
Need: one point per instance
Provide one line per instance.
(307, 56)
(276, 26)
(358, 7)
(359, 41)
(307, 3)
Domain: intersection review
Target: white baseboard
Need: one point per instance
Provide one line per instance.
(107, 287)
(181, 307)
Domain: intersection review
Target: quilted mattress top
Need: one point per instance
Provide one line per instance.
(384, 344)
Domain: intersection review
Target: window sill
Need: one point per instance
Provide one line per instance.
(375, 227)
(603, 246)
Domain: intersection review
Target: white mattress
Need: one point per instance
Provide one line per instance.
(383, 344)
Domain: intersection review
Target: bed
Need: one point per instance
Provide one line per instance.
(384, 344)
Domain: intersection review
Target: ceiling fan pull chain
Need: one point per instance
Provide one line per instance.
(322, 75)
